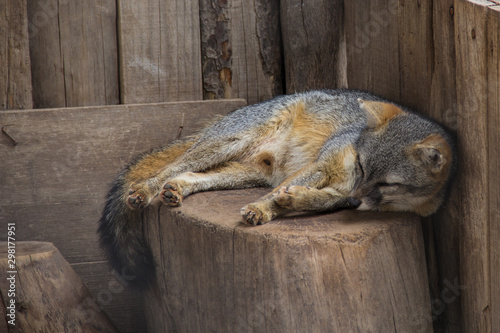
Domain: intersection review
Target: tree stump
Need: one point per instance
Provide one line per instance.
(346, 271)
(47, 294)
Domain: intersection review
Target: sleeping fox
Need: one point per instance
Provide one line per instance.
(319, 150)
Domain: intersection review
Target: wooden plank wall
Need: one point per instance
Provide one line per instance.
(441, 58)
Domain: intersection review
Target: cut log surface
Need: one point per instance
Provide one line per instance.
(346, 271)
(49, 295)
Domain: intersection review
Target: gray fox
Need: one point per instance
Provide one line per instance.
(319, 150)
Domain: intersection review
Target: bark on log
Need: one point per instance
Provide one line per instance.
(341, 272)
(49, 295)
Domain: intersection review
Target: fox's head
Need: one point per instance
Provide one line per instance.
(405, 161)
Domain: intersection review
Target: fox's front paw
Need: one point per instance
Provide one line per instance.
(171, 194)
(136, 198)
(287, 196)
(252, 215)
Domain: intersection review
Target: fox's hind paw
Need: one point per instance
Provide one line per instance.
(252, 215)
(136, 199)
(171, 194)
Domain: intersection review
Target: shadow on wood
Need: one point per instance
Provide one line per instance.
(339, 272)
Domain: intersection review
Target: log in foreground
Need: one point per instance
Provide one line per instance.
(345, 271)
(47, 293)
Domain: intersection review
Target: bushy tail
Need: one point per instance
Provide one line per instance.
(122, 240)
(120, 227)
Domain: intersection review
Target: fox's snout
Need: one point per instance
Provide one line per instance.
(353, 202)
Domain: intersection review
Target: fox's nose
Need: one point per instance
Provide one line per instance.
(353, 202)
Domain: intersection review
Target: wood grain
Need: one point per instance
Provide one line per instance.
(73, 47)
(300, 273)
(312, 40)
(372, 33)
(493, 63)
(160, 57)
(15, 73)
(241, 49)
(446, 222)
(256, 48)
(472, 54)
(50, 296)
(415, 53)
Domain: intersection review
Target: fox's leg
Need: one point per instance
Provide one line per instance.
(196, 156)
(302, 198)
(143, 179)
(267, 208)
(148, 176)
(230, 175)
(309, 189)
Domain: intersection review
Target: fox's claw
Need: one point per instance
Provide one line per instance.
(171, 195)
(254, 216)
(136, 199)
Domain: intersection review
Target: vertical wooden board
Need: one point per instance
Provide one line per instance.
(255, 50)
(371, 30)
(160, 57)
(241, 49)
(443, 101)
(493, 40)
(446, 222)
(74, 53)
(216, 49)
(89, 52)
(471, 52)
(15, 73)
(312, 44)
(415, 52)
(46, 56)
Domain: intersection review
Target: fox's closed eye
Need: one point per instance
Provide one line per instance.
(389, 187)
(383, 184)
(361, 169)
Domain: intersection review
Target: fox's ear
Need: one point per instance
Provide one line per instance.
(434, 153)
(378, 113)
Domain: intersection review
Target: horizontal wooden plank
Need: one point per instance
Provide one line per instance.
(58, 173)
